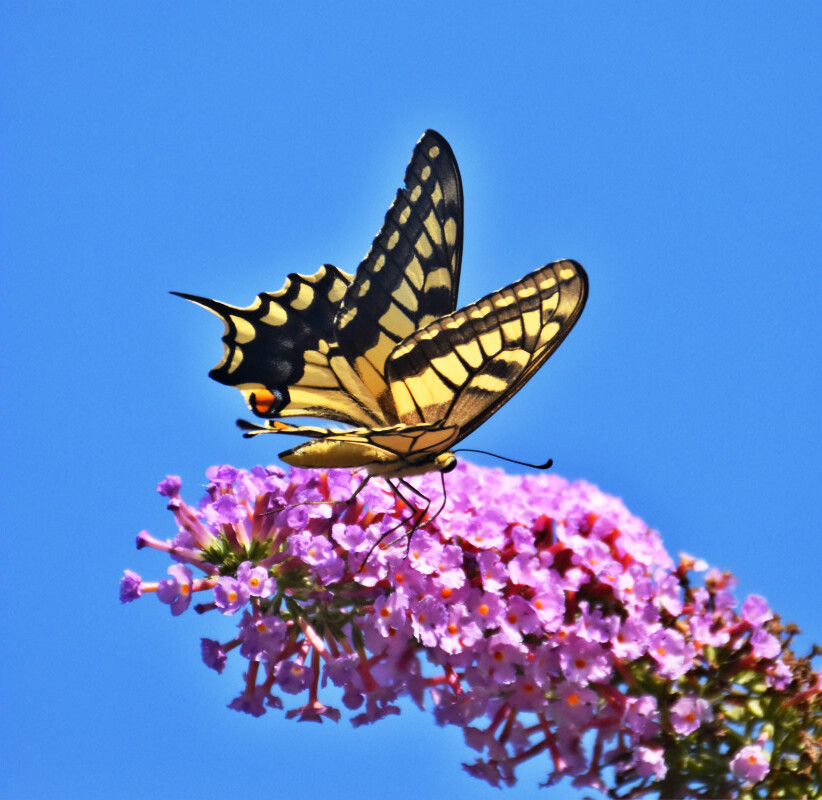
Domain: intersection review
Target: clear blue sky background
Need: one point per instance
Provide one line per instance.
(214, 147)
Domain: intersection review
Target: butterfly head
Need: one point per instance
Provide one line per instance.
(445, 462)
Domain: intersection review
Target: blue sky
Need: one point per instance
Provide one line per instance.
(212, 148)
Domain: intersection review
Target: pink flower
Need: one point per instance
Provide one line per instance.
(585, 662)
(672, 653)
(650, 761)
(537, 614)
(176, 590)
(750, 764)
(688, 713)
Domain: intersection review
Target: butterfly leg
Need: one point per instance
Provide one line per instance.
(358, 489)
(347, 502)
(444, 499)
(414, 515)
(417, 514)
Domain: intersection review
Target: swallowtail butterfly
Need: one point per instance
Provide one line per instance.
(384, 350)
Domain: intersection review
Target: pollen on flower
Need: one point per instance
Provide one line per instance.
(538, 615)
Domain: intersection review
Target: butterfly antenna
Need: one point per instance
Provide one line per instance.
(547, 465)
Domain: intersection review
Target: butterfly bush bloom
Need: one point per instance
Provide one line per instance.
(537, 614)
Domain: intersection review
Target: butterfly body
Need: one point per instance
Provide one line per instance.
(397, 451)
(384, 350)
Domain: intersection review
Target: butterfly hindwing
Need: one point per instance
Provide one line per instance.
(460, 369)
(282, 354)
(410, 275)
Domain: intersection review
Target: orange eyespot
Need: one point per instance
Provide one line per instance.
(261, 400)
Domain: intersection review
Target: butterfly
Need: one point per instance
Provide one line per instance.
(384, 350)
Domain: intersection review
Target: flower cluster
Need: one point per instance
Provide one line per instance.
(537, 614)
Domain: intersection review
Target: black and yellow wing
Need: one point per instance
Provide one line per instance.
(318, 346)
(461, 368)
(281, 352)
(410, 275)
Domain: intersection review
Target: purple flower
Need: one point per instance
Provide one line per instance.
(764, 645)
(213, 654)
(130, 586)
(427, 619)
(293, 677)
(176, 590)
(318, 552)
(262, 637)
(230, 594)
(228, 510)
(584, 662)
(669, 593)
(487, 610)
(352, 538)
(170, 487)
(251, 702)
(650, 761)
(520, 619)
(706, 630)
(549, 603)
(425, 552)
(342, 671)
(502, 659)
(755, 610)
(493, 572)
(257, 579)
(631, 641)
(574, 705)
(642, 717)
(750, 764)
(594, 626)
(459, 632)
(671, 652)
(688, 713)
(223, 475)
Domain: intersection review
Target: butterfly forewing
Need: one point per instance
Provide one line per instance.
(410, 275)
(281, 352)
(460, 369)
